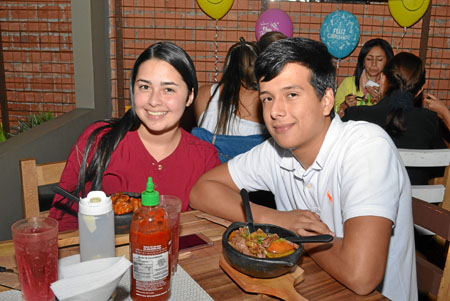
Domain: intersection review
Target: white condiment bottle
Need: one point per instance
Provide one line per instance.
(96, 226)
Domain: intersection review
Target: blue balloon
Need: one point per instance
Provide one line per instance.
(340, 33)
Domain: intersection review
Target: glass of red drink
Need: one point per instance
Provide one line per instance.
(172, 205)
(36, 247)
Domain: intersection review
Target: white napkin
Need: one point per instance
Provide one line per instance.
(89, 280)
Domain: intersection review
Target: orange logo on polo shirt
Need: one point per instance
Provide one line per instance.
(330, 198)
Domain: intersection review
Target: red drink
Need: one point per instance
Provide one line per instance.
(175, 235)
(36, 247)
(172, 205)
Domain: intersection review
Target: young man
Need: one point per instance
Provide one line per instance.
(327, 176)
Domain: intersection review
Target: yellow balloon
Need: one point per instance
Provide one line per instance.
(407, 12)
(216, 9)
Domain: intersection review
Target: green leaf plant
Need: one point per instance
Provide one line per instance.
(32, 121)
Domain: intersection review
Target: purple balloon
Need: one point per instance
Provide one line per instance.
(273, 20)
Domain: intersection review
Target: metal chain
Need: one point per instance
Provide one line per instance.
(216, 51)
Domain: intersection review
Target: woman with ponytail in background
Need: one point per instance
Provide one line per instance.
(401, 114)
(118, 155)
(229, 113)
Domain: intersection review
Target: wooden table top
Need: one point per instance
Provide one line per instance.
(203, 265)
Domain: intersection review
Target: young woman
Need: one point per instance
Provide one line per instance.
(400, 112)
(366, 85)
(228, 114)
(119, 155)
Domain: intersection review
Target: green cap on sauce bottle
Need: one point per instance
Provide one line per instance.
(150, 197)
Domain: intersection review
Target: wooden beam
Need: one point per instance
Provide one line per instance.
(3, 95)
(119, 57)
(425, 34)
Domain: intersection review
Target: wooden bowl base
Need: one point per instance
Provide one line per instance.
(281, 287)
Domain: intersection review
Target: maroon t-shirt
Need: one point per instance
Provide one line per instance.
(131, 165)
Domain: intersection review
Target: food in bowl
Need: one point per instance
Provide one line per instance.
(260, 244)
(124, 203)
(260, 267)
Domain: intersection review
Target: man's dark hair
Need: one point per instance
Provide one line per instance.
(311, 54)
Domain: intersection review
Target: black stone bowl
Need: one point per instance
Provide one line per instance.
(122, 221)
(260, 267)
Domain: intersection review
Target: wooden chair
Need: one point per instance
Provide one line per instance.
(431, 212)
(34, 175)
(430, 278)
(436, 193)
(433, 193)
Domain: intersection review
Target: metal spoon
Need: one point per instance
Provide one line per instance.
(313, 238)
(248, 210)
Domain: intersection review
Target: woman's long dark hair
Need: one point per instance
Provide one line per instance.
(116, 129)
(405, 77)
(268, 38)
(363, 53)
(237, 72)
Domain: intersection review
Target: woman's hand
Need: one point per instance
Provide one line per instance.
(350, 100)
(434, 104)
(374, 93)
(342, 108)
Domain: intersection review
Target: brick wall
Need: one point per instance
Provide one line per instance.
(183, 22)
(36, 38)
(37, 53)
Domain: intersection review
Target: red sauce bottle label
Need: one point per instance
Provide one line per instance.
(150, 250)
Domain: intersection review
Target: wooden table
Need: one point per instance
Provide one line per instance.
(203, 265)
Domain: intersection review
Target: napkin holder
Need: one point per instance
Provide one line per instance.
(90, 280)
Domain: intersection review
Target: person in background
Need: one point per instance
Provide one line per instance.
(228, 113)
(366, 85)
(401, 115)
(119, 155)
(322, 183)
(268, 38)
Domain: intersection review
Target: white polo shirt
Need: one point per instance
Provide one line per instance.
(358, 172)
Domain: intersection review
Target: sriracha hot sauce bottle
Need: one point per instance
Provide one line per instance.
(150, 245)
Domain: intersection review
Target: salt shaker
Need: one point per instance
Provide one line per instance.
(96, 226)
